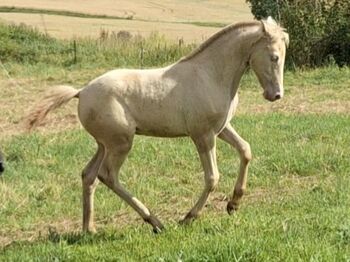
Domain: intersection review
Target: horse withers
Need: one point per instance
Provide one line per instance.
(194, 97)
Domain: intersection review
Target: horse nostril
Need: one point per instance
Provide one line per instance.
(278, 96)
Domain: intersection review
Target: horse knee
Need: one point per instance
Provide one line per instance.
(88, 178)
(246, 153)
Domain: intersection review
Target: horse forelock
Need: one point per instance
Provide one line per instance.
(274, 31)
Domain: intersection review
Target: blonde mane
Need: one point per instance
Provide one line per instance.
(278, 30)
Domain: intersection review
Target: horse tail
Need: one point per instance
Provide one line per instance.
(53, 99)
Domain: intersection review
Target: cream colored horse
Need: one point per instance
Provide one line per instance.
(194, 97)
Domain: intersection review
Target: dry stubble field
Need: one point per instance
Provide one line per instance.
(171, 18)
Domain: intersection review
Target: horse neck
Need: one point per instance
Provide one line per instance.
(227, 57)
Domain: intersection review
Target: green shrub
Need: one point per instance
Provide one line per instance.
(24, 44)
(319, 29)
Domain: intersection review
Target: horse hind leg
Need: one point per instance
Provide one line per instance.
(116, 153)
(89, 182)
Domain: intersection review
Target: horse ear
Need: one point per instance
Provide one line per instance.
(271, 21)
(286, 38)
(268, 22)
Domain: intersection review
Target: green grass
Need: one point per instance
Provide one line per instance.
(297, 206)
(27, 46)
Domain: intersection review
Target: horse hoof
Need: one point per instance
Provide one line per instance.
(155, 223)
(188, 219)
(158, 230)
(231, 208)
(184, 222)
(90, 231)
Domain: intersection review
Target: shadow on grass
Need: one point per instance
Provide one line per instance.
(79, 238)
(69, 238)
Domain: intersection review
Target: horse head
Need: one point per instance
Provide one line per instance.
(267, 58)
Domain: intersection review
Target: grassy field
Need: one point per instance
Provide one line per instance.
(297, 206)
(192, 20)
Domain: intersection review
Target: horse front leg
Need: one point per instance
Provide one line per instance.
(206, 147)
(230, 136)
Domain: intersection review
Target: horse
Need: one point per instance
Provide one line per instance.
(194, 97)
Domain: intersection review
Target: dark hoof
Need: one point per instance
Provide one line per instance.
(188, 219)
(90, 232)
(231, 208)
(158, 230)
(185, 221)
(156, 224)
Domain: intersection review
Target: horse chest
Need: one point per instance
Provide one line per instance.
(218, 121)
(209, 121)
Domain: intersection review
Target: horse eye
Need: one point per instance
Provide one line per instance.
(274, 58)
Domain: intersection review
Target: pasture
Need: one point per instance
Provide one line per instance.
(297, 205)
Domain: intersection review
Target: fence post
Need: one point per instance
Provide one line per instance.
(75, 51)
(141, 54)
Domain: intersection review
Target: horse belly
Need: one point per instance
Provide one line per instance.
(159, 125)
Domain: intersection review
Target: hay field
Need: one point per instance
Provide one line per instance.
(72, 27)
(171, 18)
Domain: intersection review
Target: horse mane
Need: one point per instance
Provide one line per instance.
(223, 32)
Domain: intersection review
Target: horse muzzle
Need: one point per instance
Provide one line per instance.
(272, 96)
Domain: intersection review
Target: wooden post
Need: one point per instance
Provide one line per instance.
(75, 51)
(141, 54)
